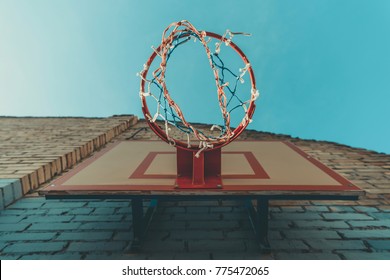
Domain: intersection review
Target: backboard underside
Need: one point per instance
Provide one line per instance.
(255, 167)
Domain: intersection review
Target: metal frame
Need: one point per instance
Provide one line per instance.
(202, 172)
(141, 221)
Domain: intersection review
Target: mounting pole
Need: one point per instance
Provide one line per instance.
(203, 172)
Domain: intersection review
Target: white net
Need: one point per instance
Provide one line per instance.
(158, 103)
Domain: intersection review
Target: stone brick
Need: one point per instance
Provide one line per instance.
(321, 224)
(186, 256)
(124, 235)
(274, 224)
(109, 204)
(296, 216)
(370, 224)
(9, 257)
(55, 226)
(10, 219)
(273, 234)
(346, 216)
(195, 216)
(381, 215)
(64, 163)
(216, 246)
(34, 247)
(85, 236)
(221, 209)
(22, 204)
(253, 255)
(317, 208)
(365, 209)
(47, 170)
(12, 212)
(379, 244)
(233, 216)
(25, 184)
(334, 202)
(274, 209)
(379, 191)
(288, 245)
(56, 256)
(196, 234)
(113, 256)
(47, 219)
(96, 246)
(80, 211)
(98, 218)
(306, 256)
(384, 208)
(57, 211)
(364, 255)
(124, 210)
(289, 202)
(105, 226)
(13, 227)
(27, 236)
(340, 208)
(33, 177)
(213, 225)
(311, 234)
(198, 210)
(7, 193)
(78, 153)
(174, 210)
(18, 190)
(41, 175)
(292, 209)
(63, 204)
(33, 199)
(377, 233)
(1, 201)
(336, 244)
(69, 211)
(168, 225)
(369, 202)
(104, 211)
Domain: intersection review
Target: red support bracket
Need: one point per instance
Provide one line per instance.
(203, 172)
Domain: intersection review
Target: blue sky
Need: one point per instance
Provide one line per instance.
(322, 67)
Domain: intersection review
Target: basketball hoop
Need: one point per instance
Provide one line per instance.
(168, 111)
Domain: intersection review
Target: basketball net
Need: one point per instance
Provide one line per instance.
(167, 110)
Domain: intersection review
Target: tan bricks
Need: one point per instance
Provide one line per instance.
(26, 187)
(37, 149)
(63, 162)
(41, 175)
(33, 177)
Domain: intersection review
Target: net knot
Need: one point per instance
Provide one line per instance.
(203, 145)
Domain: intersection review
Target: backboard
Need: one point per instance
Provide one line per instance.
(247, 168)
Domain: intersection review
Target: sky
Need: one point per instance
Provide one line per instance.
(322, 67)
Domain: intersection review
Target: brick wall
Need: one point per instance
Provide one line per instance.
(36, 228)
(34, 150)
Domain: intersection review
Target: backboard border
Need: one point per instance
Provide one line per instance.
(345, 184)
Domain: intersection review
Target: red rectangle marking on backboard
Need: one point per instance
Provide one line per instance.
(258, 170)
